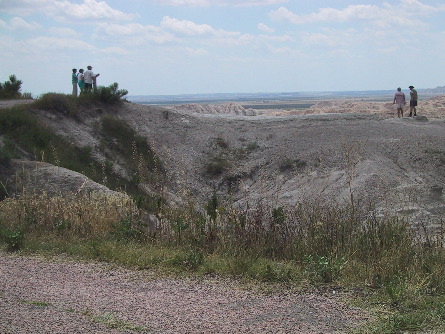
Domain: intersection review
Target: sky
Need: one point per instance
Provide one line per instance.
(165, 47)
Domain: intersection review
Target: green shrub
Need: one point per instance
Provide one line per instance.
(323, 269)
(11, 89)
(13, 239)
(127, 229)
(216, 166)
(109, 95)
(194, 259)
(62, 103)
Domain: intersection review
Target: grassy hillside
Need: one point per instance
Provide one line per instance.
(386, 266)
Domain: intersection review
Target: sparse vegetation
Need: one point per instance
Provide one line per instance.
(71, 105)
(21, 129)
(140, 159)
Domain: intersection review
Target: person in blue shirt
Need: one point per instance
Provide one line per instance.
(74, 81)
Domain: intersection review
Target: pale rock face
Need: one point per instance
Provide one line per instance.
(41, 177)
(223, 108)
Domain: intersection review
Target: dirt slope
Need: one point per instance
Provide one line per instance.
(284, 159)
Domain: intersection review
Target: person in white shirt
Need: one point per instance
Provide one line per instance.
(89, 78)
(399, 101)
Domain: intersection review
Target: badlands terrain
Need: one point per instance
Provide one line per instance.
(328, 152)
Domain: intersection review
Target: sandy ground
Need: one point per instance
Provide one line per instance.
(63, 296)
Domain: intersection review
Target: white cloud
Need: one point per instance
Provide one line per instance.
(196, 52)
(285, 50)
(65, 32)
(416, 7)
(279, 39)
(133, 33)
(116, 51)
(322, 39)
(329, 14)
(17, 23)
(89, 10)
(234, 3)
(24, 7)
(54, 43)
(205, 33)
(185, 27)
(64, 9)
(265, 28)
(171, 30)
(402, 14)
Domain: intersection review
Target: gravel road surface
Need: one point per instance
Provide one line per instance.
(39, 295)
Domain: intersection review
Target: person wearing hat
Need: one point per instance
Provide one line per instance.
(399, 101)
(413, 101)
(89, 77)
(74, 81)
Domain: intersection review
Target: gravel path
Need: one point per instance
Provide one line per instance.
(38, 295)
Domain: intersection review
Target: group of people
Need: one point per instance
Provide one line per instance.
(86, 80)
(400, 101)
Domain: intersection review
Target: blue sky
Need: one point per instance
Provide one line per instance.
(153, 47)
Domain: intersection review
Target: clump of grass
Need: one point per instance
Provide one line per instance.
(252, 146)
(62, 103)
(13, 238)
(216, 166)
(221, 142)
(289, 164)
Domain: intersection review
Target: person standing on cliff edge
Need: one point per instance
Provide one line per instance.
(89, 77)
(399, 101)
(74, 81)
(413, 101)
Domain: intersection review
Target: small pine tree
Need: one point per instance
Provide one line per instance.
(11, 89)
